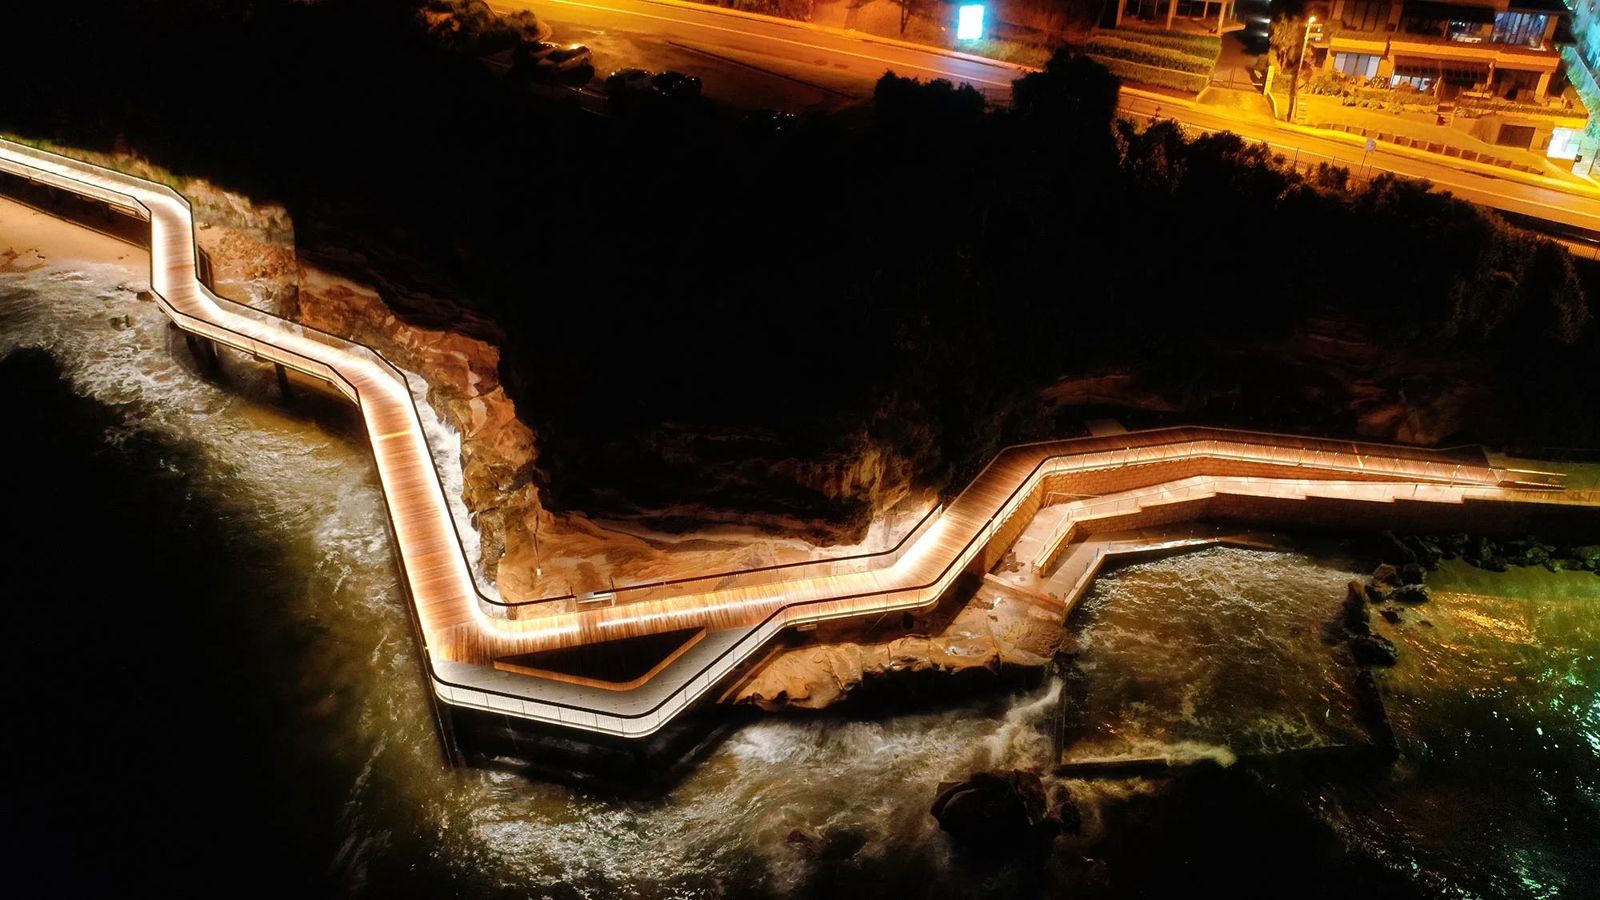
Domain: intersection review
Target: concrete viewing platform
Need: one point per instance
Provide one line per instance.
(1040, 518)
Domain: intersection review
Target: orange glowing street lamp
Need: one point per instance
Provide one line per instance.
(1294, 82)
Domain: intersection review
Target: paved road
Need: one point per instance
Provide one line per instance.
(792, 48)
(1523, 199)
(817, 64)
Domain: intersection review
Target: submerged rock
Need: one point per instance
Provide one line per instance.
(997, 812)
(1411, 593)
(805, 841)
(1374, 650)
(1375, 715)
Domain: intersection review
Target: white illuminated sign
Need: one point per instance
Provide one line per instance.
(969, 22)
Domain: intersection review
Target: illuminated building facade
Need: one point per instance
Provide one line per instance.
(1494, 68)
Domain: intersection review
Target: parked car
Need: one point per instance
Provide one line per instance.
(624, 82)
(768, 121)
(676, 85)
(535, 51)
(567, 59)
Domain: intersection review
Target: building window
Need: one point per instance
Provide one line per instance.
(1526, 29)
(1356, 65)
(1516, 85)
(1365, 15)
(1466, 32)
(1423, 22)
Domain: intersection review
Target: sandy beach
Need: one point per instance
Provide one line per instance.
(30, 239)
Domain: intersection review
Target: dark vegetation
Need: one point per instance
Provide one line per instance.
(911, 283)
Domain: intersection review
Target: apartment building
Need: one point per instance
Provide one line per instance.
(1508, 49)
(1496, 63)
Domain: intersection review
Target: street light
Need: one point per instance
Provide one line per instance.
(1294, 80)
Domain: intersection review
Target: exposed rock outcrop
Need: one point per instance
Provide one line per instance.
(1416, 553)
(463, 376)
(529, 551)
(994, 630)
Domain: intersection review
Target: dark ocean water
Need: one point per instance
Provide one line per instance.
(216, 692)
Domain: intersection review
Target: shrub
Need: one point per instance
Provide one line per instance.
(1162, 57)
(1188, 82)
(1204, 45)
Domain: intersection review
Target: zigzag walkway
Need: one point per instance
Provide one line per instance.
(476, 648)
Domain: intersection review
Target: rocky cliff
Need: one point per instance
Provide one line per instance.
(528, 550)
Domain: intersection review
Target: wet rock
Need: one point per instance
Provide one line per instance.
(999, 812)
(1391, 615)
(1374, 715)
(1484, 554)
(1394, 550)
(1585, 557)
(1411, 593)
(1354, 614)
(804, 841)
(1386, 573)
(1374, 650)
(145, 296)
(1426, 550)
(1455, 546)
(1064, 811)
(1529, 552)
(1412, 573)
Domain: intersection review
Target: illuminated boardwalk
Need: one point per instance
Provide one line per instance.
(475, 648)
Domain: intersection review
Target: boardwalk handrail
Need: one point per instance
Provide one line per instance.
(446, 572)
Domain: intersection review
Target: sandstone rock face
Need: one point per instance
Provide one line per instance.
(251, 265)
(995, 629)
(463, 375)
(871, 475)
(528, 551)
(748, 477)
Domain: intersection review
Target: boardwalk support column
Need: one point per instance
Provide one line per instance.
(204, 353)
(283, 381)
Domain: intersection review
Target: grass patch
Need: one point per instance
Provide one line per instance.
(1204, 45)
(1148, 55)
(1155, 76)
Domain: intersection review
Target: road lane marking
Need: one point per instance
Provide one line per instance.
(945, 73)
